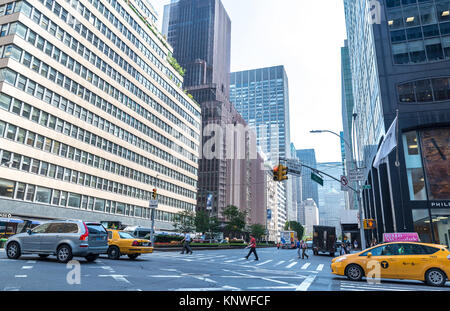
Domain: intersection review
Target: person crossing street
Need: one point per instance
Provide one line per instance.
(252, 246)
(304, 247)
(186, 241)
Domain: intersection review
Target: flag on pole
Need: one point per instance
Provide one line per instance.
(388, 144)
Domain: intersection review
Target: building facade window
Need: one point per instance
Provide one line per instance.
(419, 31)
(423, 91)
(427, 152)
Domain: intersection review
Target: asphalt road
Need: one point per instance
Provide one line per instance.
(207, 270)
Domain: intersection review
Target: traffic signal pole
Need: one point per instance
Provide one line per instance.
(358, 193)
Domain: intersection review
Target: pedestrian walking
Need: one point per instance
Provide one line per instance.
(252, 246)
(299, 247)
(186, 241)
(355, 244)
(304, 248)
(343, 250)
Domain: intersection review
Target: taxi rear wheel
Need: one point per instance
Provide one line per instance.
(354, 272)
(435, 277)
(113, 252)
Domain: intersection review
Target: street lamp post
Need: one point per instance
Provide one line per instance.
(358, 191)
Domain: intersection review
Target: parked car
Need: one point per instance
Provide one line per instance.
(429, 263)
(63, 238)
(309, 244)
(124, 243)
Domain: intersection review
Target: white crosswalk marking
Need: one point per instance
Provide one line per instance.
(306, 265)
(234, 260)
(263, 263)
(291, 264)
(320, 267)
(280, 262)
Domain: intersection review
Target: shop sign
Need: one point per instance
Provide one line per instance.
(440, 204)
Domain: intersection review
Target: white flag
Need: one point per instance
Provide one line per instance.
(389, 143)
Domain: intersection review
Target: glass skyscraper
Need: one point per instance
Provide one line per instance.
(400, 65)
(310, 189)
(261, 96)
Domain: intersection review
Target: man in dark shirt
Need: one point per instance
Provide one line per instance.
(252, 246)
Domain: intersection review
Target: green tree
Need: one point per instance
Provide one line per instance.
(257, 230)
(206, 224)
(184, 221)
(295, 226)
(234, 220)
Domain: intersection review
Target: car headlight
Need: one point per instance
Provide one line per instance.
(339, 259)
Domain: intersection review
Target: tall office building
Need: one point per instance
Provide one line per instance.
(200, 32)
(92, 116)
(347, 121)
(400, 61)
(310, 189)
(261, 96)
(331, 197)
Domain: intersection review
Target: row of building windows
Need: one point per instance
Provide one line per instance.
(78, 7)
(49, 145)
(92, 57)
(138, 43)
(56, 53)
(420, 27)
(50, 73)
(63, 36)
(42, 168)
(62, 103)
(397, 3)
(428, 90)
(43, 195)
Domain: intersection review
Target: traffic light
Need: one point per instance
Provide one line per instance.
(154, 194)
(280, 172)
(284, 172)
(370, 224)
(276, 173)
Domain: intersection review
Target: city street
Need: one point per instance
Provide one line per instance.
(207, 270)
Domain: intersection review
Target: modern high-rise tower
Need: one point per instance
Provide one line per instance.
(262, 98)
(200, 32)
(400, 65)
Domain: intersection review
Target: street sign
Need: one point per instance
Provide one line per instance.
(366, 187)
(317, 179)
(153, 204)
(356, 175)
(344, 183)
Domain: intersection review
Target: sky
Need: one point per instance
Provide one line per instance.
(306, 37)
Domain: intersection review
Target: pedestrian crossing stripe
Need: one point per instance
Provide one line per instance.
(291, 264)
(242, 262)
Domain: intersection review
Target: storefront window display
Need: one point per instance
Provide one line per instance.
(428, 151)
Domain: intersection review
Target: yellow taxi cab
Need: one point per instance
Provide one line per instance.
(123, 243)
(397, 260)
